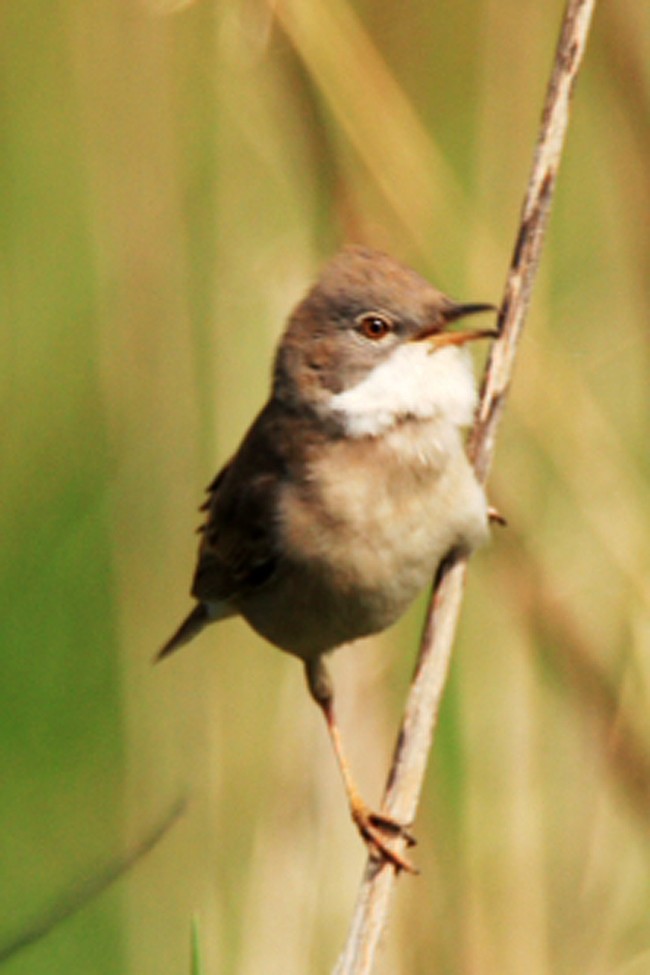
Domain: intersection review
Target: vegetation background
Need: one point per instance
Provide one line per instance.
(170, 180)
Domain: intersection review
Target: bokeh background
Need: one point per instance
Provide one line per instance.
(171, 177)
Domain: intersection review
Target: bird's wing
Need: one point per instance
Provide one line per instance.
(238, 551)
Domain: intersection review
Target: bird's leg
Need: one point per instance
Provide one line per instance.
(375, 828)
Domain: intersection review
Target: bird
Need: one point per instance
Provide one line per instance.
(351, 487)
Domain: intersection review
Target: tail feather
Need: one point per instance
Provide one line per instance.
(189, 628)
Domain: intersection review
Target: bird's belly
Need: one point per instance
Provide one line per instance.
(363, 542)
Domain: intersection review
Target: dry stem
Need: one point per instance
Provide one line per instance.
(416, 732)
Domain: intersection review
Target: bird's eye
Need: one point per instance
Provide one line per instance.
(373, 325)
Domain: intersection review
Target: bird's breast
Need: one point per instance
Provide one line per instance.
(372, 518)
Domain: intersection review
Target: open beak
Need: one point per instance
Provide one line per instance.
(438, 338)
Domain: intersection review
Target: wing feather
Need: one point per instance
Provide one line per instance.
(238, 550)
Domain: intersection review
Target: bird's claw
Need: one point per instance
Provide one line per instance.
(376, 829)
(495, 517)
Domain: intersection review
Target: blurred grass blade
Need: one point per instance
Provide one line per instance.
(198, 967)
(401, 156)
(75, 900)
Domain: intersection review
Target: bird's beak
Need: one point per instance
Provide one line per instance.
(436, 334)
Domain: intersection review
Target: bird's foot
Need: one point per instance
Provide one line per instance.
(495, 517)
(377, 830)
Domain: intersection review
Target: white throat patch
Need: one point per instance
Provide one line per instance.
(413, 382)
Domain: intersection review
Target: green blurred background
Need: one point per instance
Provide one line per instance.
(170, 180)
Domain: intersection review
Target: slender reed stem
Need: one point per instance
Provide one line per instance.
(416, 733)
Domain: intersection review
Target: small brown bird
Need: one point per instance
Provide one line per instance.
(352, 485)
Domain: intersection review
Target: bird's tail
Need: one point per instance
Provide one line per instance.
(189, 628)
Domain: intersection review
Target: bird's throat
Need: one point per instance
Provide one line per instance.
(411, 383)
